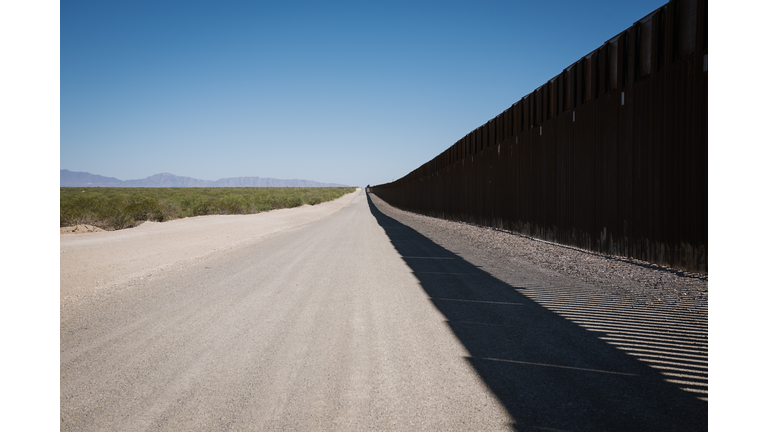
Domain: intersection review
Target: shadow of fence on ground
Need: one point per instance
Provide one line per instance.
(579, 372)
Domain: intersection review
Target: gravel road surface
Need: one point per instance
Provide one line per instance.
(369, 318)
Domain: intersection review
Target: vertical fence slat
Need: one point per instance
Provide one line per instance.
(610, 155)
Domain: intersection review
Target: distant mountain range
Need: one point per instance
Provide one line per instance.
(83, 179)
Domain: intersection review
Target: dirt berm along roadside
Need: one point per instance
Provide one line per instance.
(94, 263)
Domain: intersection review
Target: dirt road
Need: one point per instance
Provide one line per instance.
(348, 321)
(322, 327)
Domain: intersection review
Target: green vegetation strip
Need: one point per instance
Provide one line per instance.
(118, 208)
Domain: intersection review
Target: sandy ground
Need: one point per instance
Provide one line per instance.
(319, 328)
(79, 229)
(93, 262)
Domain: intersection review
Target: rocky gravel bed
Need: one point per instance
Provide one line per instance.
(645, 283)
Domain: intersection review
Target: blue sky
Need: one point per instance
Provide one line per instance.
(345, 92)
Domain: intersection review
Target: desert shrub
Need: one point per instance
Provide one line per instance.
(118, 208)
(262, 207)
(79, 210)
(232, 204)
(165, 211)
(71, 214)
(142, 208)
(114, 212)
(294, 201)
(202, 208)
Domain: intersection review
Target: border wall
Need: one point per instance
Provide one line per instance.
(610, 155)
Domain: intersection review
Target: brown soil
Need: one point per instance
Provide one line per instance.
(78, 229)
